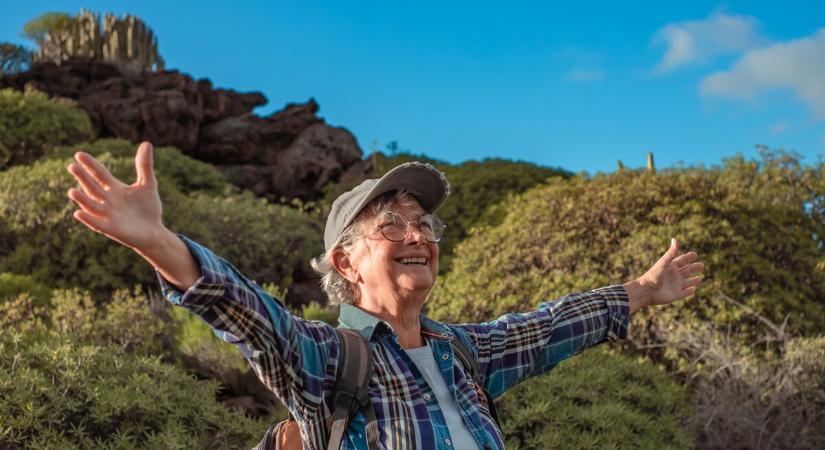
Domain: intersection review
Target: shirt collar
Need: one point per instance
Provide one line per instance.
(355, 318)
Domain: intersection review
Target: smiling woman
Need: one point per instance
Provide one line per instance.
(428, 384)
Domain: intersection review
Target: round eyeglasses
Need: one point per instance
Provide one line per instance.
(397, 229)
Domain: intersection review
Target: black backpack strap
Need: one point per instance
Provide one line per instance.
(351, 393)
(470, 363)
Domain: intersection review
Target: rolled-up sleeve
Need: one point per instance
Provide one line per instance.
(517, 346)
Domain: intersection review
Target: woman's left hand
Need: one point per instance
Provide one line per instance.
(671, 278)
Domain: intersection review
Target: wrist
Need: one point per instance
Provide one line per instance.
(161, 238)
(639, 292)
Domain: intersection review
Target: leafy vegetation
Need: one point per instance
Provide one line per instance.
(29, 122)
(58, 393)
(45, 24)
(13, 58)
(597, 400)
(46, 243)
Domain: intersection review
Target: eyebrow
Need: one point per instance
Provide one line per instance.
(391, 215)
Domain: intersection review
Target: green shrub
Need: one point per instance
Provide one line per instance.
(758, 227)
(12, 285)
(481, 192)
(30, 121)
(597, 400)
(57, 393)
(269, 243)
(125, 321)
(14, 58)
(186, 174)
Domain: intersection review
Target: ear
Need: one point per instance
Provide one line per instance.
(343, 264)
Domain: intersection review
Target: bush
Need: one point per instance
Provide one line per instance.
(125, 321)
(12, 285)
(30, 121)
(186, 174)
(13, 58)
(57, 393)
(597, 400)
(758, 227)
(270, 243)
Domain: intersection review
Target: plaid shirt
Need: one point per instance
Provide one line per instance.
(297, 359)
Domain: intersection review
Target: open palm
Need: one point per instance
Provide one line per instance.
(129, 214)
(673, 277)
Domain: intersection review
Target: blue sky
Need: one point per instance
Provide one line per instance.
(578, 85)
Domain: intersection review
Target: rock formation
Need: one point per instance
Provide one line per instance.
(288, 154)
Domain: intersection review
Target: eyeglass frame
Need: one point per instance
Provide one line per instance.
(408, 228)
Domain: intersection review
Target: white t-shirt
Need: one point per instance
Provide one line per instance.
(459, 433)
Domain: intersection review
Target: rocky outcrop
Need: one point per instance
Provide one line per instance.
(290, 153)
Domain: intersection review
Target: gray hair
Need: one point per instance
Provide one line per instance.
(340, 291)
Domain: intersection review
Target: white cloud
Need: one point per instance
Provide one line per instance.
(698, 41)
(584, 75)
(797, 65)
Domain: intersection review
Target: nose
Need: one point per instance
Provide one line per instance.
(414, 233)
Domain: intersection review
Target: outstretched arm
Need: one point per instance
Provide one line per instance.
(131, 215)
(517, 346)
(295, 358)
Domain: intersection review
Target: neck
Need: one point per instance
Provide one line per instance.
(402, 317)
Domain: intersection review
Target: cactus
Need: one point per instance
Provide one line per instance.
(125, 41)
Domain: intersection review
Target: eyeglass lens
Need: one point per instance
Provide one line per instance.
(397, 230)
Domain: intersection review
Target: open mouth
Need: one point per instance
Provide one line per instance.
(418, 260)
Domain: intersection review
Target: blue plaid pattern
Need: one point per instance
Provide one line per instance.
(297, 359)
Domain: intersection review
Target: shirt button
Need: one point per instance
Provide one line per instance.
(448, 442)
(445, 356)
(487, 446)
(427, 396)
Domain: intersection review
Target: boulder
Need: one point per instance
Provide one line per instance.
(287, 154)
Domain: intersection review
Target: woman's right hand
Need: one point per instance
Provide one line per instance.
(128, 214)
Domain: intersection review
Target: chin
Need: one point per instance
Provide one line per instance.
(408, 283)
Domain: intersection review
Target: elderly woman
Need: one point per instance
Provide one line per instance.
(380, 263)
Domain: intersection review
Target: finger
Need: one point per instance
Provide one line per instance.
(688, 292)
(93, 222)
(90, 185)
(86, 202)
(685, 259)
(143, 164)
(691, 269)
(97, 170)
(691, 282)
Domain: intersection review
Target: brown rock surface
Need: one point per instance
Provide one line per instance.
(290, 153)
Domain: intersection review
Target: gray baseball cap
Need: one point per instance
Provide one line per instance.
(423, 181)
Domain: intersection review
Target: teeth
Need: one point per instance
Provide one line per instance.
(419, 260)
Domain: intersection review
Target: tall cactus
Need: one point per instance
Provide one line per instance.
(125, 41)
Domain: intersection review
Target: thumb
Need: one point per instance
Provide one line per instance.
(143, 164)
(671, 252)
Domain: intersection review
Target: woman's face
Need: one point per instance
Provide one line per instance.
(398, 269)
